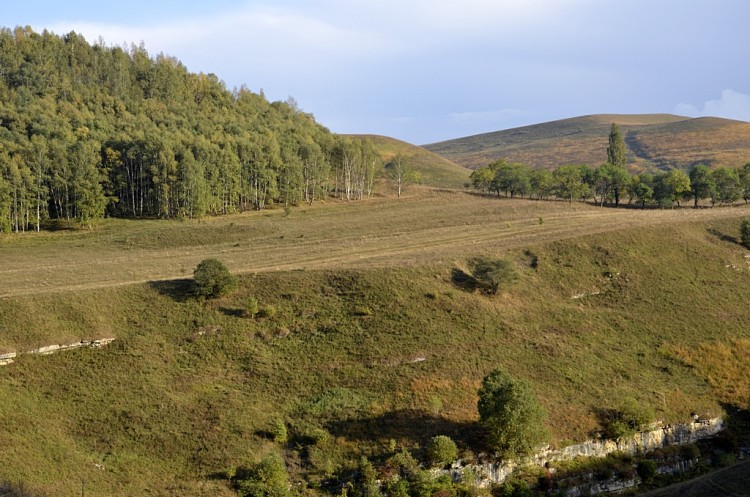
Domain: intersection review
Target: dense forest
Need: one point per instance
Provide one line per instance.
(88, 130)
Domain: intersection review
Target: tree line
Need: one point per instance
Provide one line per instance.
(611, 182)
(88, 130)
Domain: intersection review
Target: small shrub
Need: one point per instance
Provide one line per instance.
(646, 470)
(627, 419)
(267, 311)
(492, 274)
(279, 432)
(251, 307)
(745, 232)
(362, 311)
(213, 279)
(267, 478)
(441, 451)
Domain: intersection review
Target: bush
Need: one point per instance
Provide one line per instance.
(267, 478)
(267, 311)
(279, 431)
(646, 470)
(511, 414)
(251, 308)
(745, 232)
(627, 419)
(441, 451)
(213, 279)
(492, 274)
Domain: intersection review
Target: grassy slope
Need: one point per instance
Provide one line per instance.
(728, 482)
(654, 140)
(435, 170)
(164, 408)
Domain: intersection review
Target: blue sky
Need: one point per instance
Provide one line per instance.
(429, 70)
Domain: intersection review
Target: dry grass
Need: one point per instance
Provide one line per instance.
(658, 140)
(427, 226)
(724, 365)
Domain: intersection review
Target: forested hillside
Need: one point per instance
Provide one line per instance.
(88, 130)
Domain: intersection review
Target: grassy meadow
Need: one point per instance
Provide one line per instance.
(369, 334)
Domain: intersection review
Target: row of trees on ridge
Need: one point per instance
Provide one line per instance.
(611, 182)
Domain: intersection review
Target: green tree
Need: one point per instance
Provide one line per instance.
(511, 415)
(616, 149)
(513, 179)
(400, 171)
(569, 183)
(441, 450)
(367, 484)
(745, 232)
(727, 183)
(213, 279)
(542, 183)
(745, 182)
(492, 274)
(609, 182)
(481, 178)
(266, 478)
(701, 183)
(641, 188)
(670, 187)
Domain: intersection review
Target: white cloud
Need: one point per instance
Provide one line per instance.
(731, 105)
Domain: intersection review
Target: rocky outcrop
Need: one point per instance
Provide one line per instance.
(646, 441)
(9, 357)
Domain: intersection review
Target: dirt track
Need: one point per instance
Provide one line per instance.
(429, 227)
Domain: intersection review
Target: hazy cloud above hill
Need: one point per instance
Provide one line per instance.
(732, 104)
(427, 70)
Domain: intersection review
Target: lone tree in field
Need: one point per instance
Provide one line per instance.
(400, 171)
(492, 274)
(509, 411)
(616, 149)
(213, 279)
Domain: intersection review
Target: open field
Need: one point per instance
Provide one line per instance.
(427, 227)
(654, 141)
(373, 337)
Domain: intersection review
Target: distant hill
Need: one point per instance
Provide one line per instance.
(655, 141)
(435, 170)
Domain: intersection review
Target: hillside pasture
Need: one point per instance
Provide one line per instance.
(373, 336)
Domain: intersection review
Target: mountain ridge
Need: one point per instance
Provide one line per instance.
(655, 141)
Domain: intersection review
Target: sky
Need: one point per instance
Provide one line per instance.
(429, 70)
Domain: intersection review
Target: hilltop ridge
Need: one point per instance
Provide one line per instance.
(655, 141)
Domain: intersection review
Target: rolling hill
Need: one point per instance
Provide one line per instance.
(368, 334)
(434, 169)
(655, 141)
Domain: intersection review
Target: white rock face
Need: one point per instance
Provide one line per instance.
(8, 358)
(646, 441)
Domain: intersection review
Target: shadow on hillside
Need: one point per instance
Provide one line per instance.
(463, 280)
(408, 424)
(177, 290)
(737, 424)
(233, 312)
(723, 236)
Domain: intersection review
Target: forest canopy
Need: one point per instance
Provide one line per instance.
(88, 130)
